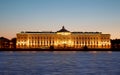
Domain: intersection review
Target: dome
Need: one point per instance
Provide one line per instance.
(63, 30)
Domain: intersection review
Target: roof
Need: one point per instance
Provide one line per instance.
(63, 30)
(87, 32)
(32, 32)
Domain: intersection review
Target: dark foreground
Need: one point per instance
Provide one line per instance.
(59, 49)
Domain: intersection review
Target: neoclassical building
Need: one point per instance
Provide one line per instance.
(63, 39)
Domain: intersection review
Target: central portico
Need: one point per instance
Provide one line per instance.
(64, 39)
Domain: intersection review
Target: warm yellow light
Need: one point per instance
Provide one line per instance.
(55, 44)
(64, 33)
(64, 42)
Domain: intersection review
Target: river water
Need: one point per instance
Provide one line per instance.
(59, 63)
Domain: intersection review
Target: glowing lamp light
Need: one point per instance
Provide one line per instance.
(64, 33)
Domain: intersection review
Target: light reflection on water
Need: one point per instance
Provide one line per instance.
(59, 63)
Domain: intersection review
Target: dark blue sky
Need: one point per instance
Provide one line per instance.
(51, 15)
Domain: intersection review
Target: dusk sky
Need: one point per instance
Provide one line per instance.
(50, 15)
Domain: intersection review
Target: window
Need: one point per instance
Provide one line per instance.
(91, 37)
(77, 42)
(53, 42)
(88, 38)
(82, 42)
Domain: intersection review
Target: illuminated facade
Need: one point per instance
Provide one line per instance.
(63, 39)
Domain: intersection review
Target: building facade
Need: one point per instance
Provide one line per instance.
(63, 39)
(4, 42)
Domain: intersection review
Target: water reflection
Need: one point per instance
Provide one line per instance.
(100, 51)
(59, 63)
(57, 52)
(64, 52)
